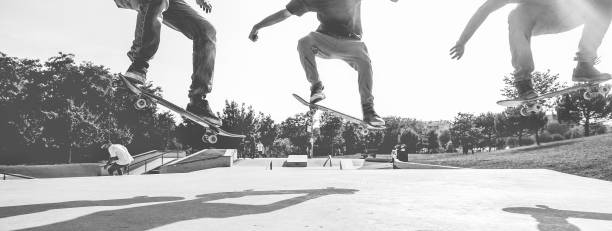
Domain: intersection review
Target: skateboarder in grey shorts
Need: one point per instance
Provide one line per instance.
(538, 17)
(178, 15)
(338, 37)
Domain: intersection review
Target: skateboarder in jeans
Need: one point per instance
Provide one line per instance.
(338, 37)
(538, 17)
(119, 158)
(178, 15)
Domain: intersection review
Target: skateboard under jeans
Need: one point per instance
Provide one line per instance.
(593, 89)
(146, 99)
(364, 127)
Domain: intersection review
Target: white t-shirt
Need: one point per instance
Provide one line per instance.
(121, 152)
(260, 147)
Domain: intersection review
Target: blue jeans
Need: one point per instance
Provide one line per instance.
(177, 15)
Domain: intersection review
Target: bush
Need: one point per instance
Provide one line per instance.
(557, 137)
(546, 137)
(557, 128)
(598, 129)
(281, 147)
(512, 141)
(573, 133)
(500, 143)
(527, 141)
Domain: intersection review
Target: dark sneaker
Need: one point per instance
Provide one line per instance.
(525, 89)
(137, 73)
(200, 107)
(586, 72)
(370, 116)
(316, 93)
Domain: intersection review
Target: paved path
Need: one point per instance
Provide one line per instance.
(311, 199)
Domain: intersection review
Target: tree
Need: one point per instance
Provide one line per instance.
(296, 130)
(331, 133)
(444, 138)
(432, 138)
(267, 130)
(574, 108)
(486, 125)
(59, 111)
(410, 139)
(396, 126)
(352, 138)
(463, 131)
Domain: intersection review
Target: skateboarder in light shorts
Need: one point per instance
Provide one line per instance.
(338, 37)
(178, 15)
(538, 17)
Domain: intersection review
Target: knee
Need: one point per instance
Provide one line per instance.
(207, 32)
(363, 66)
(304, 44)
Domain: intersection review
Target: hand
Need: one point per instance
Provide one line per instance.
(457, 51)
(205, 5)
(253, 35)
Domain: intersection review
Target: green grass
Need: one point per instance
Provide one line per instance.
(588, 157)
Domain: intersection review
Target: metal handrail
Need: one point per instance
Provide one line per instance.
(139, 163)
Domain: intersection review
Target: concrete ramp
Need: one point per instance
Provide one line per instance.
(205, 159)
(346, 164)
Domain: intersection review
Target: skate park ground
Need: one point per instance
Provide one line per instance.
(250, 196)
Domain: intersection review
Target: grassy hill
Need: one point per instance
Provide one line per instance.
(589, 157)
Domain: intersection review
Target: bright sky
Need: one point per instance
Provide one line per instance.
(408, 43)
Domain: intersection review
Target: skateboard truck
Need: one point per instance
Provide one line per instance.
(593, 92)
(529, 109)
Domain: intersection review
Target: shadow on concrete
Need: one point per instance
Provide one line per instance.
(10, 211)
(556, 220)
(153, 216)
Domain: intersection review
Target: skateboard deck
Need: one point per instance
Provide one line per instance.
(211, 129)
(363, 125)
(531, 105)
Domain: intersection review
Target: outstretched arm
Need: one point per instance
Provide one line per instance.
(477, 19)
(269, 21)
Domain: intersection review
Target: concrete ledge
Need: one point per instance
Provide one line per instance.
(205, 159)
(397, 164)
(296, 161)
(54, 171)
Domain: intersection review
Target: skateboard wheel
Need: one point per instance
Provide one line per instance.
(140, 104)
(524, 111)
(587, 95)
(538, 108)
(364, 131)
(210, 139)
(605, 90)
